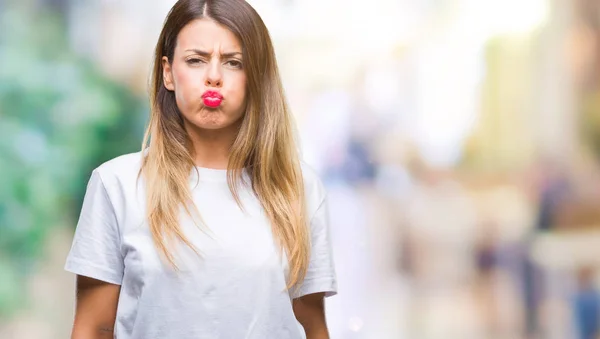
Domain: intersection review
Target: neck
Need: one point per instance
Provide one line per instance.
(212, 147)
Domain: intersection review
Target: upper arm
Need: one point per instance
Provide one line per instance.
(96, 249)
(96, 259)
(320, 274)
(320, 280)
(310, 312)
(96, 308)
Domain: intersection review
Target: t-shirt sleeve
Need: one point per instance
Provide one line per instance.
(320, 276)
(95, 251)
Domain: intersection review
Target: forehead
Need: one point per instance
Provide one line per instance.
(207, 35)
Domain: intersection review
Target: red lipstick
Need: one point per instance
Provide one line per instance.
(212, 99)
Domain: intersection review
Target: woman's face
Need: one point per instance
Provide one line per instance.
(207, 75)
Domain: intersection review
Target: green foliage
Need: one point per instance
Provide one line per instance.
(59, 118)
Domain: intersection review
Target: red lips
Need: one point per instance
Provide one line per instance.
(212, 99)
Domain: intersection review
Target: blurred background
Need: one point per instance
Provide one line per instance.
(459, 141)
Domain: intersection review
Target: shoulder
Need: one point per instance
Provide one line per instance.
(125, 162)
(118, 180)
(314, 189)
(122, 169)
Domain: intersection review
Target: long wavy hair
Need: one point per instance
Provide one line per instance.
(265, 145)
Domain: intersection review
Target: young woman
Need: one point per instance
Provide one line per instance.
(215, 229)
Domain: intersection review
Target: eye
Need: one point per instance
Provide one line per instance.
(234, 64)
(194, 61)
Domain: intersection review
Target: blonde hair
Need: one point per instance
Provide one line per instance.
(264, 147)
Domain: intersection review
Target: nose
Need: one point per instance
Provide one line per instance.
(214, 77)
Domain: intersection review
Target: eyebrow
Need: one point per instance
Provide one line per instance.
(207, 54)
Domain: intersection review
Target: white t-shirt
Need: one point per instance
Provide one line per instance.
(235, 290)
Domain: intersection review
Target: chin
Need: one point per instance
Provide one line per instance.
(214, 124)
(211, 127)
